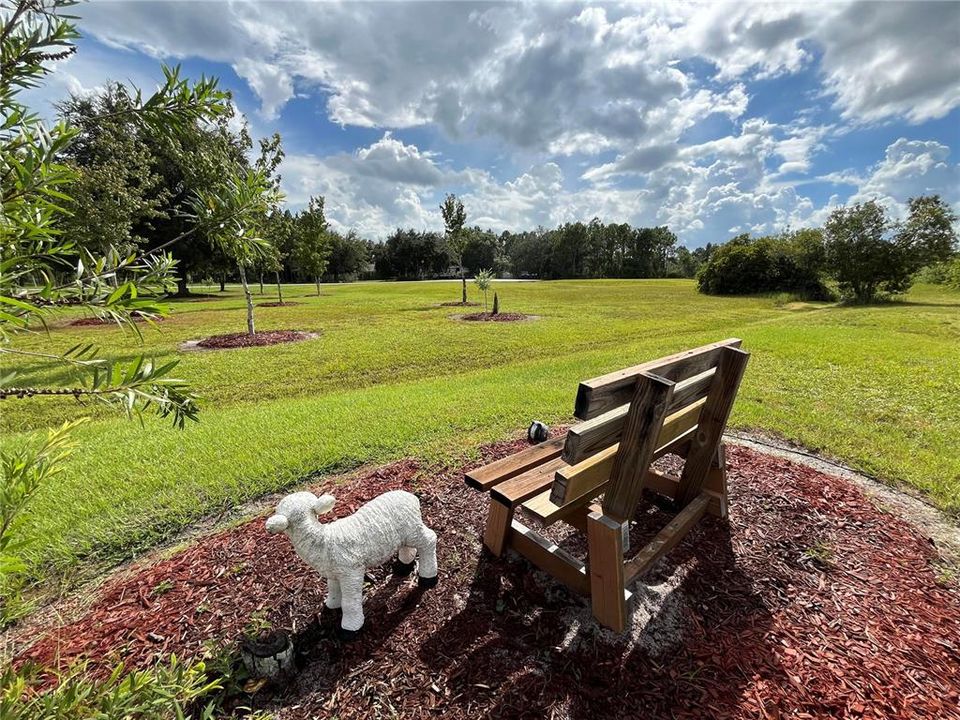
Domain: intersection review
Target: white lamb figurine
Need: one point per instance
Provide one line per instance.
(342, 550)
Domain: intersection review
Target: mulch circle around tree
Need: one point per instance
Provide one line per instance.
(245, 340)
(499, 317)
(276, 304)
(97, 322)
(809, 602)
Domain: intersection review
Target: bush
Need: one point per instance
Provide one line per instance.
(791, 263)
(166, 691)
(942, 273)
(953, 274)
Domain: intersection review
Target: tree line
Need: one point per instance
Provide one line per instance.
(572, 250)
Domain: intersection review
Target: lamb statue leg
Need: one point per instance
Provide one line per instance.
(333, 600)
(425, 542)
(351, 588)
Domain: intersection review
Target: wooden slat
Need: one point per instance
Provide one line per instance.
(713, 420)
(599, 394)
(546, 511)
(586, 439)
(576, 479)
(605, 543)
(692, 389)
(666, 539)
(550, 558)
(523, 487)
(648, 410)
(484, 478)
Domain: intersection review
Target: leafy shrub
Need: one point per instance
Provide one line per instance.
(953, 274)
(23, 470)
(942, 273)
(791, 263)
(174, 690)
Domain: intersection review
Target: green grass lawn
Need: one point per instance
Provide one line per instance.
(392, 375)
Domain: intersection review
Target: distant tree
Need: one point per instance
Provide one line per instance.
(280, 232)
(739, 267)
(311, 246)
(928, 235)
(454, 218)
(349, 255)
(869, 256)
(683, 264)
(411, 255)
(481, 250)
(117, 190)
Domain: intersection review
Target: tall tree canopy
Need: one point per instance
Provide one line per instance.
(869, 255)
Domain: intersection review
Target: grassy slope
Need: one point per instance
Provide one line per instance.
(392, 375)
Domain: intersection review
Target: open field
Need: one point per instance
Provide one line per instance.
(391, 375)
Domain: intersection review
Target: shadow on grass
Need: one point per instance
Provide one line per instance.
(48, 372)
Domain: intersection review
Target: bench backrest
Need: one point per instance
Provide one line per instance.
(678, 403)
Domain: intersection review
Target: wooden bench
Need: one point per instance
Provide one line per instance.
(593, 478)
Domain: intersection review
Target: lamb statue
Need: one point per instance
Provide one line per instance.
(342, 550)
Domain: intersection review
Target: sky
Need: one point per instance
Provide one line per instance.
(713, 119)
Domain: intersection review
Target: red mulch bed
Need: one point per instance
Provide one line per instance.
(809, 603)
(95, 321)
(276, 304)
(242, 340)
(490, 317)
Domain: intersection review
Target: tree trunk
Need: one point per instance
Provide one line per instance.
(318, 286)
(463, 280)
(223, 283)
(246, 291)
(261, 283)
(279, 291)
(182, 289)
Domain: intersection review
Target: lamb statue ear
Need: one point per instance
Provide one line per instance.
(324, 504)
(277, 523)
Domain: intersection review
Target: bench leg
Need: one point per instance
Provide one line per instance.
(499, 518)
(717, 481)
(605, 542)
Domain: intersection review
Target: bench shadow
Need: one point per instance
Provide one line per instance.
(532, 648)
